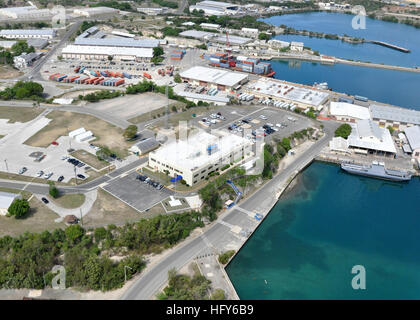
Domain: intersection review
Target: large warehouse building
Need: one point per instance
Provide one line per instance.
(198, 156)
(397, 118)
(117, 42)
(348, 112)
(28, 33)
(27, 12)
(213, 78)
(215, 8)
(95, 11)
(102, 53)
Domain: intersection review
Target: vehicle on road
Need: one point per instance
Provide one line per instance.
(81, 176)
(45, 200)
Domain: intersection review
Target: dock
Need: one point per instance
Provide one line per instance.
(389, 45)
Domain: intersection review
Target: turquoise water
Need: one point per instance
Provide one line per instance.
(308, 244)
(398, 88)
(339, 23)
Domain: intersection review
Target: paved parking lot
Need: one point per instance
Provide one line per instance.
(136, 193)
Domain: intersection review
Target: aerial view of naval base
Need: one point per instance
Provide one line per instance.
(207, 150)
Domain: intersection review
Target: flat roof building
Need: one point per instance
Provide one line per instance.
(367, 137)
(103, 52)
(95, 11)
(215, 8)
(199, 155)
(215, 78)
(300, 96)
(413, 138)
(347, 112)
(25, 59)
(210, 26)
(397, 118)
(6, 200)
(117, 42)
(27, 12)
(28, 33)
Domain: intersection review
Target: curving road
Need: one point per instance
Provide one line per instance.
(149, 283)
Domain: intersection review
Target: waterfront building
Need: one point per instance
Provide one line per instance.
(202, 154)
(300, 96)
(397, 118)
(347, 112)
(413, 138)
(250, 32)
(213, 78)
(367, 137)
(296, 46)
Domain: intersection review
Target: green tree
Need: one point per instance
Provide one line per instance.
(157, 52)
(177, 78)
(225, 257)
(263, 36)
(343, 131)
(130, 132)
(19, 208)
(74, 233)
(285, 142)
(218, 294)
(53, 190)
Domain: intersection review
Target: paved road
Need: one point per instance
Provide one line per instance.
(39, 188)
(152, 281)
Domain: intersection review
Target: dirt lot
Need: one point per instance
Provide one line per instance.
(90, 159)
(69, 201)
(19, 114)
(109, 210)
(62, 122)
(39, 219)
(7, 72)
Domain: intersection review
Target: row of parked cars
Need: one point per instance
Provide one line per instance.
(41, 173)
(76, 163)
(213, 119)
(149, 181)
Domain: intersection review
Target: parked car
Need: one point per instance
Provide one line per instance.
(60, 178)
(81, 176)
(40, 173)
(48, 175)
(23, 170)
(45, 200)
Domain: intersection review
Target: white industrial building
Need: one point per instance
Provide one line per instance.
(397, 118)
(25, 60)
(413, 138)
(94, 11)
(216, 8)
(296, 95)
(274, 43)
(152, 11)
(6, 200)
(211, 26)
(250, 32)
(201, 154)
(347, 112)
(28, 33)
(27, 12)
(367, 137)
(196, 97)
(85, 136)
(296, 46)
(213, 78)
(117, 42)
(102, 53)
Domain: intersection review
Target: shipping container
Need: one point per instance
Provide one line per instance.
(146, 75)
(126, 75)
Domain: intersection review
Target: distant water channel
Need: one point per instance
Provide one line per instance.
(308, 244)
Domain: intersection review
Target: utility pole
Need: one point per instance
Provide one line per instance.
(125, 272)
(81, 216)
(75, 175)
(7, 167)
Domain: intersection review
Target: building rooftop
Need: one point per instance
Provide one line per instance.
(349, 110)
(395, 114)
(117, 42)
(147, 144)
(211, 75)
(203, 97)
(192, 153)
(196, 34)
(280, 89)
(232, 39)
(6, 199)
(101, 50)
(367, 134)
(413, 136)
(51, 32)
(217, 4)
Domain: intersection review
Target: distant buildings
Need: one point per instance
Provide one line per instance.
(27, 12)
(152, 11)
(195, 158)
(210, 26)
(213, 78)
(296, 46)
(28, 33)
(25, 60)
(215, 8)
(95, 11)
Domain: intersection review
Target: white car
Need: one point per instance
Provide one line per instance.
(263, 117)
(40, 173)
(278, 125)
(48, 175)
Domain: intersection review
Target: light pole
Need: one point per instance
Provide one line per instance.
(125, 272)
(7, 167)
(75, 175)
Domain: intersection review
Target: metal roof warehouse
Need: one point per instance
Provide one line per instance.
(397, 116)
(98, 52)
(117, 42)
(218, 77)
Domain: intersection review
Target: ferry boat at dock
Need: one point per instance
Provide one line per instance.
(376, 170)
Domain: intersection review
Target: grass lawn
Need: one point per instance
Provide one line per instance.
(69, 201)
(156, 113)
(109, 210)
(63, 121)
(39, 219)
(21, 177)
(90, 159)
(18, 114)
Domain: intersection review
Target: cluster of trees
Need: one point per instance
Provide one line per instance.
(103, 94)
(343, 131)
(26, 261)
(18, 208)
(263, 36)
(170, 32)
(37, 25)
(130, 132)
(225, 256)
(157, 55)
(125, 6)
(53, 191)
(23, 90)
(166, 3)
(6, 56)
(184, 287)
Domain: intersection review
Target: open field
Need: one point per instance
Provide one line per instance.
(89, 159)
(157, 113)
(62, 122)
(39, 219)
(20, 114)
(109, 210)
(69, 201)
(8, 72)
